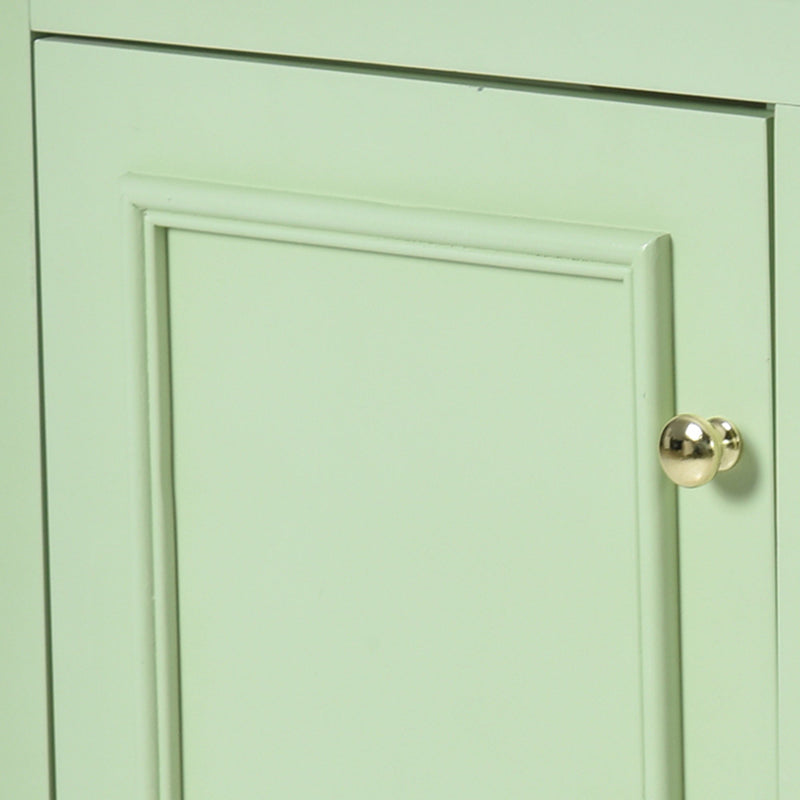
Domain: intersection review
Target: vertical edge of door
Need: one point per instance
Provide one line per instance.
(787, 400)
(24, 736)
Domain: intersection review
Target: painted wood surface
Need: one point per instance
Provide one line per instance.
(380, 573)
(787, 334)
(709, 47)
(24, 758)
(342, 294)
(698, 174)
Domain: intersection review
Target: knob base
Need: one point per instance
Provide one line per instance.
(731, 442)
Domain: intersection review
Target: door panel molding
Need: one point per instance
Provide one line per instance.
(641, 261)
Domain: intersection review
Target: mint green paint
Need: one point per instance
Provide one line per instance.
(24, 762)
(386, 572)
(699, 175)
(426, 243)
(708, 48)
(787, 334)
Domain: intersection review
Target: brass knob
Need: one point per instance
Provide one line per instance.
(692, 449)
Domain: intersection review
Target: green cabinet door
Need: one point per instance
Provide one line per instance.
(353, 384)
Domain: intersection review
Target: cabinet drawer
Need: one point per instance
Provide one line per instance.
(359, 376)
(693, 48)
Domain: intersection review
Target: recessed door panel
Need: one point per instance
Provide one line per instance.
(406, 566)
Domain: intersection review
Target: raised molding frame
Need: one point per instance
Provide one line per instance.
(639, 260)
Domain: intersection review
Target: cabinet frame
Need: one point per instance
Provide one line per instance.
(27, 756)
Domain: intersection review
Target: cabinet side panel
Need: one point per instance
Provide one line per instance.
(24, 767)
(787, 337)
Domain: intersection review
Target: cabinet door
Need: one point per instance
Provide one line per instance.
(351, 447)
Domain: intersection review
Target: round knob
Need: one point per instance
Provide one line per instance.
(692, 449)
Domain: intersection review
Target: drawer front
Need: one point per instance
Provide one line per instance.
(351, 451)
(691, 47)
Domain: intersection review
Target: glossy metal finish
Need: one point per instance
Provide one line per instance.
(692, 449)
